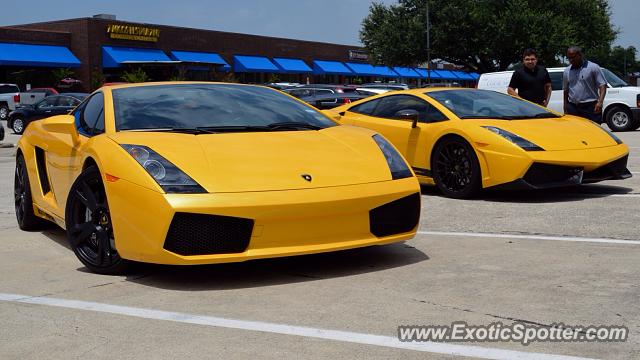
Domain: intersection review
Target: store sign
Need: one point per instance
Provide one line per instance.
(358, 55)
(128, 32)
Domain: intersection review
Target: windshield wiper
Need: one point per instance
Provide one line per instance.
(194, 131)
(293, 125)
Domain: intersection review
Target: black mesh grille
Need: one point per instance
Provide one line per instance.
(200, 234)
(396, 217)
(549, 175)
(614, 170)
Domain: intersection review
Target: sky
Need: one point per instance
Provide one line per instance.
(333, 21)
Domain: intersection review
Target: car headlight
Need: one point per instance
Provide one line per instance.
(523, 143)
(397, 165)
(168, 176)
(617, 139)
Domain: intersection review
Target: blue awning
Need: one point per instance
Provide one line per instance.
(116, 56)
(321, 67)
(433, 74)
(37, 55)
(448, 75)
(292, 65)
(362, 69)
(406, 72)
(243, 63)
(463, 75)
(385, 71)
(201, 57)
(475, 75)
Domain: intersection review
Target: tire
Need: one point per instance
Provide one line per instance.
(4, 112)
(620, 119)
(455, 168)
(89, 227)
(18, 125)
(27, 220)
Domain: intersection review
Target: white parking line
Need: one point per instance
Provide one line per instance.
(625, 195)
(532, 237)
(336, 335)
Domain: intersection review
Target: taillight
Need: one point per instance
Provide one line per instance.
(638, 100)
(16, 98)
(346, 101)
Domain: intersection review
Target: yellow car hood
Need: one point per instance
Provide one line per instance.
(564, 133)
(267, 161)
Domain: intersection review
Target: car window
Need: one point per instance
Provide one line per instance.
(366, 108)
(92, 114)
(67, 101)
(7, 89)
(556, 80)
(216, 107)
(47, 103)
(391, 105)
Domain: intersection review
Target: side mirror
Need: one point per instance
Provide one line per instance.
(62, 124)
(408, 114)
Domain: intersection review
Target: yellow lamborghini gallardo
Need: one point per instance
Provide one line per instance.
(195, 173)
(464, 140)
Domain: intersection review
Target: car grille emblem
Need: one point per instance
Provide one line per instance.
(307, 177)
(584, 142)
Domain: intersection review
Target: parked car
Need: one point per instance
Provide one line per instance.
(49, 106)
(329, 101)
(34, 95)
(9, 98)
(385, 86)
(465, 140)
(318, 89)
(139, 173)
(621, 110)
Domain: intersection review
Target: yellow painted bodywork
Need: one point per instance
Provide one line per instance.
(253, 175)
(500, 160)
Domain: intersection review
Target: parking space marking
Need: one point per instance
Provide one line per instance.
(625, 195)
(532, 237)
(283, 329)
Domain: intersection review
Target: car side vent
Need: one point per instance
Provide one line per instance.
(42, 171)
(396, 217)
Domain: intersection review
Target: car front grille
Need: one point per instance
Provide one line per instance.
(201, 234)
(546, 175)
(396, 217)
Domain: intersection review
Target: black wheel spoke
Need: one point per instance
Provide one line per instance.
(86, 197)
(81, 232)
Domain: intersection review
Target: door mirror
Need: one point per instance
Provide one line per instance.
(62, 124)
(408, 114)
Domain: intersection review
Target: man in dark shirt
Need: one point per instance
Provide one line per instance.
(532, 80)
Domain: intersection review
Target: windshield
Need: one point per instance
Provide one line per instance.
(486, 104)
(612, 79)
(213, 107)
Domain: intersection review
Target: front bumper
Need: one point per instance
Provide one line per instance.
(549, 169)
(180, 228)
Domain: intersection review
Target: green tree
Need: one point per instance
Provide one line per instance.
(135, 76)
(486, 35)
(620, 59)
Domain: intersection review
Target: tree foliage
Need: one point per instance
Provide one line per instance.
(486, 35)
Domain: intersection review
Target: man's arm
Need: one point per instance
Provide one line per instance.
(513, 84)
(602, 91)
(547, 94)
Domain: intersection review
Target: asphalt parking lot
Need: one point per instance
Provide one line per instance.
(538, 257)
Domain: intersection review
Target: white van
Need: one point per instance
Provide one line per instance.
(621, 104)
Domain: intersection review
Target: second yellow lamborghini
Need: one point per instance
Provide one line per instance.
(464, 140)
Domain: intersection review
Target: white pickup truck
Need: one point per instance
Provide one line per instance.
(9, 98)
(621, 109)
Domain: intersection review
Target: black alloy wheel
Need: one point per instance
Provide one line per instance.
(89, 227)
(27, 220)
(455, 168)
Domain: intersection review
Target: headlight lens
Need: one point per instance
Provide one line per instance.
(523, 143)
(397, 165)
(167, 175)
(617, 139)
